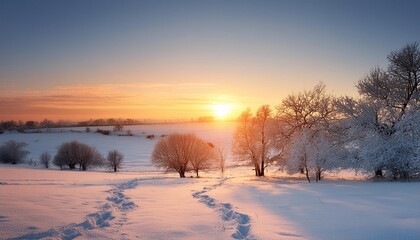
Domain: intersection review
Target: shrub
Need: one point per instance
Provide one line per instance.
(13, 152)
(103, 132)
(118, 127)
(75, 153)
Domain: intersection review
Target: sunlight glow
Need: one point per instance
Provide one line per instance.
(221, 110)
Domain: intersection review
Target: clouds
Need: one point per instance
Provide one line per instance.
(134, 100)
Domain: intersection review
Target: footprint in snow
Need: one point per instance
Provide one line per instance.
(99, 219)
(227, 213)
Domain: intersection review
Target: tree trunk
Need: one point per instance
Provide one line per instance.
(115, 168)
(84, 167)
(72, 165)
(378, 173)
(257, 170)
(182, 174)
(318, 175)
(307, 174)
(262, 168)
(196, 173)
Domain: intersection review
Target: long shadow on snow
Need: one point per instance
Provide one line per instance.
(323, 210)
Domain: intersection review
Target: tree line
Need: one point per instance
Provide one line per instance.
(69, 155)
(12, 125)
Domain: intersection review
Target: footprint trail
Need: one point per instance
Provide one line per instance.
(227, 212)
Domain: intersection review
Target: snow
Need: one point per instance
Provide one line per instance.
(136, 149)
(141, 202)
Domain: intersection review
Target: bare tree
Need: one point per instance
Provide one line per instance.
(263, 117)
(114, 160)
(245, 147)
(253, 139)
(182, 152)
(222, 159)
(203, 156)
(74, 152)
(89, 157)
(45, 159)
(13, 152)
(309, 109)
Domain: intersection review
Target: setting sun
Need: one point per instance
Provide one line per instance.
(221, 110)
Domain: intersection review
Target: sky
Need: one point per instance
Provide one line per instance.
(77, 60)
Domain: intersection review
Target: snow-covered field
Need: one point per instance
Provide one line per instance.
(143, 203)
(136, 149)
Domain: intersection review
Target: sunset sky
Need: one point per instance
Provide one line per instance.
(76, 60)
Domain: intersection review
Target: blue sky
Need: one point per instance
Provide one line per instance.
(243, 52)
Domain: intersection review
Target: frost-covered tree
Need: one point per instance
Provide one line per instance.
(254, 139)
(183, 152)
(13, 152)
(312, 151)
(376, 124)
(114, 160)
(301, 118)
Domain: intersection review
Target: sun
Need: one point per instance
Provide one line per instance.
(221, 110)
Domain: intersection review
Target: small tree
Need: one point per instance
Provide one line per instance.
(182, 152)
(118, 127)
(203, 156)
(221, 159)
(254, 139)
(13, 152)
(45, 159)
(311, 152)
(114, 160)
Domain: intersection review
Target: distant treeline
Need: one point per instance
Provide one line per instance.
(46, 123)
